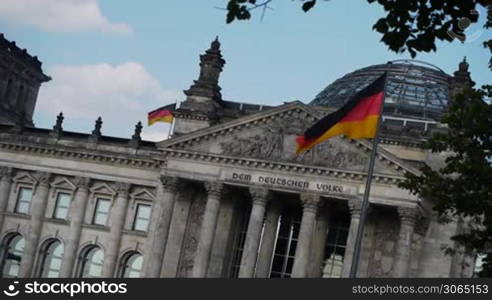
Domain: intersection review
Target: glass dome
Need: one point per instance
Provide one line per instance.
(414, 89)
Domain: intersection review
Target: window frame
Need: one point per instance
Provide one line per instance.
(135, 217)
(6, 245)
(70, 195)
(95, 211)
(19, 189)
(124, 264)
(45, 251)
(83, 259)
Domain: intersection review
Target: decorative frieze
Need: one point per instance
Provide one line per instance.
(96, 156)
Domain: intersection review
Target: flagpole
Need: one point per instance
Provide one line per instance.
(367, 191)
(172, 123)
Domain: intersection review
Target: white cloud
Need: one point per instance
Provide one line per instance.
(60, 15)
(122, 95)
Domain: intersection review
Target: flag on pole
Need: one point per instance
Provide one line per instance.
(162, 114)
(357, 119)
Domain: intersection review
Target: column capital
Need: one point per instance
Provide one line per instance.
(213, 188)
(259, 195)
(408, 215)
(355, 206)
(82, 183)
(123, 188)
(310, 201)
(169, 183)
(6, 173)
(43, 178)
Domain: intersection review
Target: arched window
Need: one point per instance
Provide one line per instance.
(12, 256)
(91, 263)
(51, 259)
(131, 265)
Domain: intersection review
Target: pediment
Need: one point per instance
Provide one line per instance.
(142, 193)
(63, 183)
(270, 136)
(103, 188)
(24, 177)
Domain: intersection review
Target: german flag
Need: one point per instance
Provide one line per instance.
(357, 119)
(162, 114)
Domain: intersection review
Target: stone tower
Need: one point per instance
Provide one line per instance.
(203, 101)
(461, 79)
(20, 79)
(204, 94)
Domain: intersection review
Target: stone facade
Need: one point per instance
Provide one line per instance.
(228, 198)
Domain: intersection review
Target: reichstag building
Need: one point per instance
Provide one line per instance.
(226, 196)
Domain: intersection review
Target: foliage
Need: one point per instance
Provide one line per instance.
(462, 188)
(410, 25)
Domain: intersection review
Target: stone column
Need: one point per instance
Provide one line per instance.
(268, 240)
(253, 234)
(408, 217)
(355, 206)
(159, 225)
(77, 213)
(310, 204)
(5, 185)
(319, 241)
(118, 214)
(200, 264)
(37, 210)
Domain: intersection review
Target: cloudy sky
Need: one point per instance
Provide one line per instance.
(120, 59)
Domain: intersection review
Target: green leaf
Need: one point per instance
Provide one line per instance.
(308, 5)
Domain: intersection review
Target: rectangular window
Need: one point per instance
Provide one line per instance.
(23, 200)
(62, 206)
(142, 217)
(102, 211)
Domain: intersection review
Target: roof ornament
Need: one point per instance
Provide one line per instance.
(96, 133)
(215, 44)
(136, 137)
(58, 129)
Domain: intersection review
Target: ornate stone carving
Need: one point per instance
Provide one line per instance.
(43, 178)
(82, 182)
(169, 183)
(408, 216)
(260, 196)
(276, 142)
(214, 189)
(123, 188)
(310, 201)
(6, 173)
(355, 206)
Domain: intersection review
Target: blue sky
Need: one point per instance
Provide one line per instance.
(121, 58)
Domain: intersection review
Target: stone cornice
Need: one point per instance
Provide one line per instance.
(286, 167)
(82, 154)
(398, 142)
